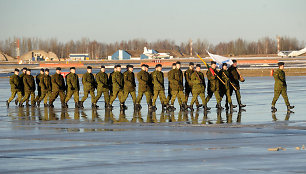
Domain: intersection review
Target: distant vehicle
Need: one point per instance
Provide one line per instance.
(152, 54)
(292, 53)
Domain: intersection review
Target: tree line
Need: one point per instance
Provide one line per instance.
(98, 50)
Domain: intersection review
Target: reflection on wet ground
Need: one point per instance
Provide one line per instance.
(55, 140)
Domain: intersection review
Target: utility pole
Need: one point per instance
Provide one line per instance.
(278, 44)
(190, 47)
(18, 51)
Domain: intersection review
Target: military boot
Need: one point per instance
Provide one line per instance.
(81, 104)
(190, 107)
(199, 106)
(46, 105)
(20, 104)
(289, 107)
(7, 104)
(16, 102)
(219, 106)
(154, 108)
(150, 107)
(28, 105)
(38, 103)
(51, 105)
(124, 106)
(171, 108)
(206, 108)
(76, 105)
(242, 105)
(232, 106)
(33, 105)
(273, 108)
(63, 105)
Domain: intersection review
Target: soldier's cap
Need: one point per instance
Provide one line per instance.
(280, 63)
(158, 65)
(118, 66)
(144, 65)
(129, 66)
(224, 64)
(147, 66)
(58, 68)
(16, 69)
(191, 63)
(213, 62)
(42, 70)
(102, 66)
(72, 67)
(198, 65)
(178, 62)
(24, 68)
(234, 61)
(173, 64)
(89, 67)
(46, 69)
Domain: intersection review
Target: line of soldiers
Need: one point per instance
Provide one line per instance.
(120, 85)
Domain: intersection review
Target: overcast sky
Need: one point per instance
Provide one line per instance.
(179, 20)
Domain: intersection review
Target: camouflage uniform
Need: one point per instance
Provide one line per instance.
(225, 88)
(46, 89)
(117, 81)
(38, 79)
(58, 88)
(89, 85)
(213, 87)
(198, 88)
(129, 86)
(143, 87)
(234, 77)
(280, 87)
(15, 82)
(73, 87)
(189, 84)
(29, 89)
(177, 87)
(159, 88)
(103, 87)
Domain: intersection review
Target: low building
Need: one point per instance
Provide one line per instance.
(78, 57)
(120, 55)
(39, 55)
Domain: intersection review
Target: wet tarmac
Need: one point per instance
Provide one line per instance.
(43, 140)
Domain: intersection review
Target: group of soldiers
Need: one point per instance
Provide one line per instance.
(117, 84)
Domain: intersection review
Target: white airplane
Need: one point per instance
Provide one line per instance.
(292, 53)
(152, 54)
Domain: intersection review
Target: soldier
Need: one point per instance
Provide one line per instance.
(213, 85)
(58, 88)
(198, 88)
(129, 84)
(38, 79)
(280, 87)
(177, 87)
(103, 86)
(89, 85)
(188, 83)
(169, 84)
(73, 87)
(159, 88)
(110, 82)
(235, 77)
(46, 88)
(21, 84)
(117, 79)
(225, 88)
(143, 88)
(29, 88)
(15, 82)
